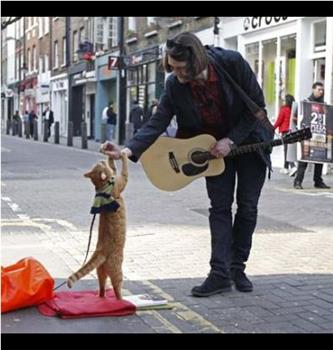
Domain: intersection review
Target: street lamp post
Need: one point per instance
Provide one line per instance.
(121, 95)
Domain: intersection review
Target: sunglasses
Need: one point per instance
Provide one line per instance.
(170, 44)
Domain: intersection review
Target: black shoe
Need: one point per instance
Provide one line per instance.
(321, 185)
(242, 283)
(214, 284)
(298, 186)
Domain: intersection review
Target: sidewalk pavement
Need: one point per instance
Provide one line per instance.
(290, 266)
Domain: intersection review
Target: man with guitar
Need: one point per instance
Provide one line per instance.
(201, 92)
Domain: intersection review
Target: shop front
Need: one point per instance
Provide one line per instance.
(287, 54)
(76, 85)
(42, 94)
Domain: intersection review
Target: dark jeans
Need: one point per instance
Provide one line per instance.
(231, 241)
(318, 169)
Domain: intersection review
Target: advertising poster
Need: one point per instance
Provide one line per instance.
(319, 117)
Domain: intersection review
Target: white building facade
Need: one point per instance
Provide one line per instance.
(287, 54)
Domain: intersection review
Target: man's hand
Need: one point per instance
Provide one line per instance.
(222, 148)
(112, 150)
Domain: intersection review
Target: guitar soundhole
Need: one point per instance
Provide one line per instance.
(198, 156)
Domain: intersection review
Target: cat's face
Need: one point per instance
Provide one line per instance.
(100, 174)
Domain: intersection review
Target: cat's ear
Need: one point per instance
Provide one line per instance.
(88, 174)
(103, 175)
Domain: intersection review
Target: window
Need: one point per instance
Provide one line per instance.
(56, 57)
(40, 26)
(64, 50)
(41, 65)
(132, 24)
(82, 37)
(99, 33)
(319, 29)
(46, 25)
(151, 21)
(46, 63)
(34, 54)
(28, 60)
(75, 45)
(113, 32)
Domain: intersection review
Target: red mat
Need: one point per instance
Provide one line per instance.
(85, 304)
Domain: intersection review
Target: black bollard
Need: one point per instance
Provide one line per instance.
(13, 127)
(19, 124)
(35, 129)
(56, 132)
(70, 134)
(26, 129)
(103, 132)
(45, 130)
(8, 126)
(84, 138)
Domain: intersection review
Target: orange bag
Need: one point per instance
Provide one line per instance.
(25, 283)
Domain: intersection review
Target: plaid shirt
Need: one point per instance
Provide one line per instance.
(208, 100)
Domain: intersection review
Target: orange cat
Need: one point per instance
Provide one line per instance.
(108, 256)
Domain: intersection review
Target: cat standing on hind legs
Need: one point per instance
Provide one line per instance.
(108, 256)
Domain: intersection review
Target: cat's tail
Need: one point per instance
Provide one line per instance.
(96, 260)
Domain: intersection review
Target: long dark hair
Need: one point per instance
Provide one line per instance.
(289, 100)
(186, 47)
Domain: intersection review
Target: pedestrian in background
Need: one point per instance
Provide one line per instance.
(282, 122)
(32, 116)
(26, 124)
(316, 96)
(152, 109)
(49, 119)
(136, 116)
(111, 122)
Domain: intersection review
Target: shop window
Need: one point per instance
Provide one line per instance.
(319, 36)
(252, 56)
(319, 70)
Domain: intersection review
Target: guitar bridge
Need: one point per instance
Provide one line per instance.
(173, 162)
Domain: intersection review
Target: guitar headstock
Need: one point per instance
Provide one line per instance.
(299, 135)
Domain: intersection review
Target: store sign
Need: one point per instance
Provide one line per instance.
(113, 62)
(255, 23)
(319, 117)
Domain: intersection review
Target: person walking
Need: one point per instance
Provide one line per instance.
(111, 122)
(49, 119)
(205, 101)
(32, 117)
(282, 122)
(316, 96)
(136, 116)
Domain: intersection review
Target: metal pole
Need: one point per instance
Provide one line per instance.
(70, 134)
(56, 132)
(121, 83)
(84, 138)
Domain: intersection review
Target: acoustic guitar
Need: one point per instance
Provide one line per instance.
(171, 164)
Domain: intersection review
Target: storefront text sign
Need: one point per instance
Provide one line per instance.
(254, 23)
(319, 117)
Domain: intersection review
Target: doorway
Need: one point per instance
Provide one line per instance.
(77, 109)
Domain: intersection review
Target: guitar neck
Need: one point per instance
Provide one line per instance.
(254, 147)
(242, 149)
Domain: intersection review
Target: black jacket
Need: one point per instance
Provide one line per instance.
(136, 116)
(177, 100)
